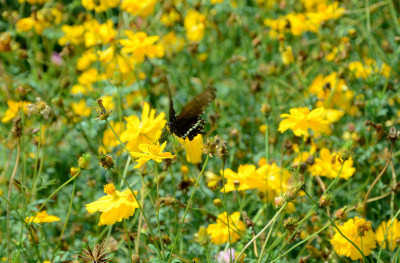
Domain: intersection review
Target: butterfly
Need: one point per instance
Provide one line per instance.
(188, 124)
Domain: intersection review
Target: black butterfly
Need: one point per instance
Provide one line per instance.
(188, 124)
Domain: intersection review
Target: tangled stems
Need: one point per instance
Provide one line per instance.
(377, 179)
(27, 227)
(140, 206)
(187, 208)
(265, 228)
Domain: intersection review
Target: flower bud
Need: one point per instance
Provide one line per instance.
(74, 171)
(213, 185)
(106, 161)
(84, 161)
(341, 214)
(325, 200)
(279, 201)
(217, 202)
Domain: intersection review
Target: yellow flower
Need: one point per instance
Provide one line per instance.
(220, 232)
(287, 55)
(86, 60)
(141, 8)
(72, 35)
(216, 1)
(151, 152)
(32, 2)
(170, 18)
(13, 109)
(275, 180)
(42, 217)
(248, 177)
(80, 108)
(393, 235)
(369, 67)
(365, 242)
(195, 25)
(25, 24)
(301, 119)
(106, 55)
(108, 102)
(96, 33)
(172, 43)
(148, 130)
(140, 45)
(194, 148)
(329, 165)
(99, 6)
(90, 76)
(80, 89)
(115, 206)
(332, 92)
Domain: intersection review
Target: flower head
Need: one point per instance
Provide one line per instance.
(151, 152)
(140, 45)
(392, 236)
(13, 109)
(220, 232)
(366, 242)
(114, 206)
(300, 120)
(329, 165)
(195, 25)
(141, 8)
(42, 217)
(146, 130)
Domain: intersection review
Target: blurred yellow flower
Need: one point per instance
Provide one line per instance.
(108, 102)
(72, 35)
(301, 119)
(195, 25)
(96, 33)
(25, 24)
(151, 152)
(14, 107)
(115, 206)
(170, 18)
(80, 108)
(329, 165)
(247, 177)
(365, 241)
(86, 59)
(141, 8)
(148, 130)
(106, 55)
(80, 89)
(194, 148)
(287, 55)
(99, 6)
(172, 43)
(369, 67)
(109, 139)
(332, 92)
(90, 76)
(42, 217)
(275, 180)
(32, 2)
(140, 45)
(393, 235)
(220, 232)
(216, 1)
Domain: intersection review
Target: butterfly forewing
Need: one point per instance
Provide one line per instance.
(196, 106)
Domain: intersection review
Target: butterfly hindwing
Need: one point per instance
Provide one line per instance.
(197, 105)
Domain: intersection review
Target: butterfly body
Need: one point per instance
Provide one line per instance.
(189, 123)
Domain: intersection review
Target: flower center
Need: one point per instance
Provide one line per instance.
(110, 190)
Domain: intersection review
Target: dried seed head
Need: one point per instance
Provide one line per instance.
(99, 254)
(106, 161)
(102, 112)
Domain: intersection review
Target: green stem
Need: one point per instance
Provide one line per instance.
(157, 210)
(128, 240)
(265, 228)
(187, 208)
(66, 219)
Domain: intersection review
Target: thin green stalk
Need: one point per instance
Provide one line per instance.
(266, 242)
(226, 208)
(157, 210)
(387, 231)
(140, 207)
(58, 189)
(128, 240)
(8, 203)
(334, 225)
(66, 219)
(259, 233)
(26, 225)
(207, 253)
(187, 208)
(302, 242)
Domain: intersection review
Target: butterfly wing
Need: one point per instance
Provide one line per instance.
(189, 122)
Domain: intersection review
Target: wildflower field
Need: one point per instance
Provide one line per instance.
(199, 131)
